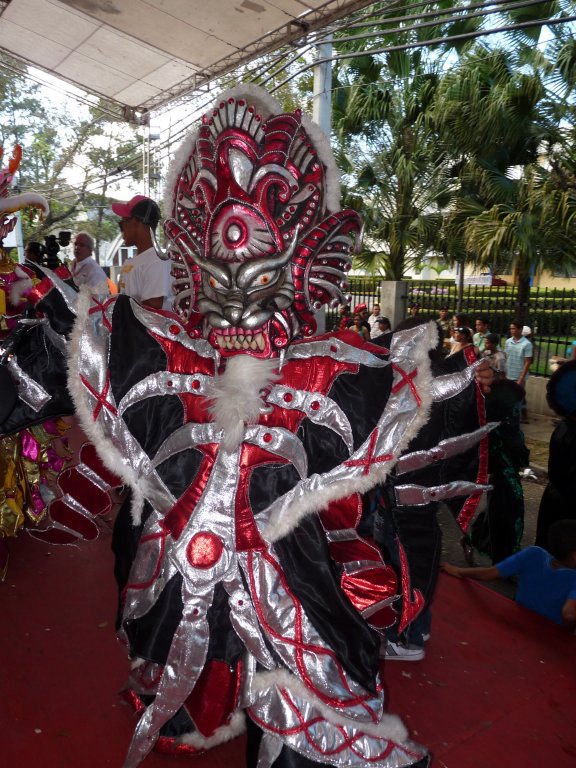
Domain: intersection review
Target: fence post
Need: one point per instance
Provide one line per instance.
(393, 300)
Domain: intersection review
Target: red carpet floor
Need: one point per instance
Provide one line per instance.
(496, 689)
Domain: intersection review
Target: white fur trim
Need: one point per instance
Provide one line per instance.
(177, 163)
(236, 399)
(224, 733)
(267, 105)
(390, 727)
(107, 451)
(316, 501)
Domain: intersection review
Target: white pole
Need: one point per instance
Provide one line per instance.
(19, 237)
(322, 105)
(322, 116)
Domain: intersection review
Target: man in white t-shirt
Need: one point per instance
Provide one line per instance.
(85, 269)
(373, 321)
(145, 277)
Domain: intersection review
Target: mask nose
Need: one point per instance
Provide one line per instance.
(232, 311)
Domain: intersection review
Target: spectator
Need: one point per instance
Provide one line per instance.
(495, 355)
(444, 321)
(33, 252)
(482, 330)
(373, 321)
(413, 310)
(519, 356)
(556, 360)
(145, 277)
(345, 317)
(497, 529)
(359, 326)
(85, 269)
(362, 311)
(558, 499)
(460, 320)
(546, 580)
(382, 326)
(462, 339)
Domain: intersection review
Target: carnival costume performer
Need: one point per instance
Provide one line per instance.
(31, 459)
(245, 586)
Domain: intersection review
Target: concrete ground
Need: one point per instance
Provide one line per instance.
(537, 434)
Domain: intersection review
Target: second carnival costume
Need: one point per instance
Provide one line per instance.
(247, 592)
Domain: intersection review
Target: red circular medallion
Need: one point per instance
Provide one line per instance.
(204, 550)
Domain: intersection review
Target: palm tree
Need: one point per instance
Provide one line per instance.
(503, 125)
(396, 173)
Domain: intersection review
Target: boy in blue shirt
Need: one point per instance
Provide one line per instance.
(546, 580)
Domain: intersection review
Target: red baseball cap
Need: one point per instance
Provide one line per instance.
(140, 207)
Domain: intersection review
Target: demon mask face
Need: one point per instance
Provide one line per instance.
(257, 241)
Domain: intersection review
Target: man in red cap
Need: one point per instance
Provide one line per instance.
(145, 277)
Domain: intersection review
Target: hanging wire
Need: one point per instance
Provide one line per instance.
(288, 58)
(462, 15)
(430, 42)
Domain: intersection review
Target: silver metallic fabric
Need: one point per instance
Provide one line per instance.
(29, 391)
(302, 726)
(68, 293)
(418, 495)
(319, 408)
(445, 387)
(444, 450)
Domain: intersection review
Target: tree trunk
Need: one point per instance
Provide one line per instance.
(523, 297)
(460, 298)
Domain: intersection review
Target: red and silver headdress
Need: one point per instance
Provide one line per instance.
(11, 203)
(258, 242)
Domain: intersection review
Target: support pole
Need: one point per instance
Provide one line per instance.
(322, 105)
(322, 116)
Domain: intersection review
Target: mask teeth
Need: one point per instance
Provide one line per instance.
(226, 339)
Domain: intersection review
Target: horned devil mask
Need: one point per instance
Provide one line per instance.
(258, 242)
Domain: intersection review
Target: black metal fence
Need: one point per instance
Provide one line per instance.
(551, 313)
(363, 290)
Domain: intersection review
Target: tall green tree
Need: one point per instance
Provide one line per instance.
(504, 127)
(69, 151)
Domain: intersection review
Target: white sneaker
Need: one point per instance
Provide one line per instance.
(401, 651)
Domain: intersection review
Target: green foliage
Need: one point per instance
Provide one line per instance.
(461, 159)
(70, 154)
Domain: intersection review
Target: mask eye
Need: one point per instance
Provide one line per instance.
(215, 284)
(264, 279)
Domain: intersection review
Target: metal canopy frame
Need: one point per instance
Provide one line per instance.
(304, 18)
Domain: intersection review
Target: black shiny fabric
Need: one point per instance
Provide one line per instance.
(559, 498)
(8, 394)
(44, 363)
(416, 528)
(362, 396)
(448, 418)
(312, 576)
(269, 482)
(324, 448)
(178, 471)
(134, 354)
(56, 310)
(150, 636)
